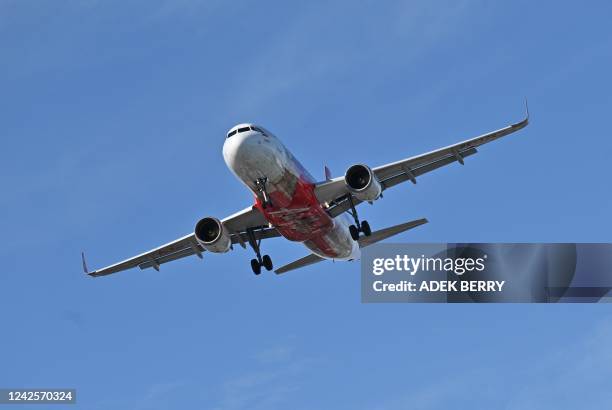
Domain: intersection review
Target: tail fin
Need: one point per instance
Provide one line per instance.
(328, 174)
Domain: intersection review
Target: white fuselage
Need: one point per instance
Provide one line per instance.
(256, 154)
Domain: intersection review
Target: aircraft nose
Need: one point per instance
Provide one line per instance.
(239, 149)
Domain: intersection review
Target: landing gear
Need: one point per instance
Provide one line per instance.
(264, 261)
(354, 232)
(255, 266)
(364, 226)
(260, 184)
(267, 262)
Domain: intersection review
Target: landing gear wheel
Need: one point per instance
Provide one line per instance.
(365, 228)
(255, 266)
(354, 232)
(266, 261)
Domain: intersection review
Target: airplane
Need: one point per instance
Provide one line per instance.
(291, 203)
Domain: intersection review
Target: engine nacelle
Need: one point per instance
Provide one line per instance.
(362, 183)
(212, 235)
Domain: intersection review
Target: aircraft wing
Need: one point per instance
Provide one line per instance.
(236, 224)
(335, 193)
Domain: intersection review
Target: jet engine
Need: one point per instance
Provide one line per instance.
(362, 183)
(212, 235)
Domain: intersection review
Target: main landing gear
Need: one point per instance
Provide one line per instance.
(260, 184)
(364, 226)
(264, 261)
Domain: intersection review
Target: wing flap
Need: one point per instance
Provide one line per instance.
(263, 233)
(425, 168)
(152, 256)
(172, 257)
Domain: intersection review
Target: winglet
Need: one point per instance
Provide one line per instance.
(84, 263)
(527, 109)
(522, 123)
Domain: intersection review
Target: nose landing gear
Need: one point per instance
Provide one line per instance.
(264, 261)
(260, 184)
(364, 226)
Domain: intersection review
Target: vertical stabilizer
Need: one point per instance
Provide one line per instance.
(328, 174)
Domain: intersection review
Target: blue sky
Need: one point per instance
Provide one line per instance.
(112, 119)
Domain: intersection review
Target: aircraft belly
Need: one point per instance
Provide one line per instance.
(301, 218)
(335, 244)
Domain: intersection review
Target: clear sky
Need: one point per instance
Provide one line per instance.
(112, 119)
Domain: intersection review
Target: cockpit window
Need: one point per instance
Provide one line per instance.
(258, 130)
(247, 128)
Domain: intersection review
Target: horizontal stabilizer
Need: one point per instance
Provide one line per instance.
(390, 231)
(300, 263)
(363, 242)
